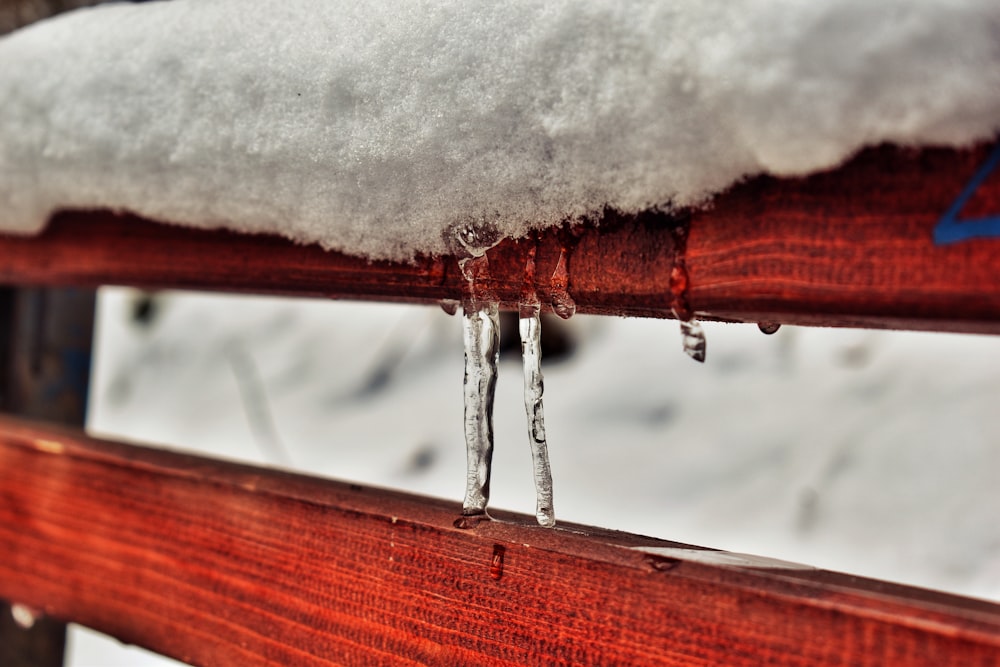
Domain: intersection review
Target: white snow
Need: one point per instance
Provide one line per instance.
(372, 127)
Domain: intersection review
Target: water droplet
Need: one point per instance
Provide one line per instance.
(692, 335)
(450, 306)
(496, 563)
(470, 521)
(529, 303)
(679, 283)
(768, 327)
(562, 302)
(476, 290)
(472, 238)
(481, 335)
(662, 563)
(693, 339)
(24, 616)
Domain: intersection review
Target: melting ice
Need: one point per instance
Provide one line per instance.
(530, 329)
(693, 339)
(481, 335)
(481, 328)
(531, 351)
(562, 302)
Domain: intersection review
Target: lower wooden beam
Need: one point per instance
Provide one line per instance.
(219, 564)
(895, 238)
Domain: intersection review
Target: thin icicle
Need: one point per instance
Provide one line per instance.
(531, 351)
(530, 328)
(693, 338)
(481, 333)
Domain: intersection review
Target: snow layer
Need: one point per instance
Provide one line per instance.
(373, 127)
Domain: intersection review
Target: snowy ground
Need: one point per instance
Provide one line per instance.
(867, 452)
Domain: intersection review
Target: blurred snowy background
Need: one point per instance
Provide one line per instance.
(874, 453)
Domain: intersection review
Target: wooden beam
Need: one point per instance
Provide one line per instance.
(216, 563)
(45, 353)
(852, 247)
(859, 246)
(45, 343)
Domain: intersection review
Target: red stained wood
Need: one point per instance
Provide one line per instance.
(223, 564)
(851, 247)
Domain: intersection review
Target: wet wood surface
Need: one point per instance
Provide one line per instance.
(215, 563)
(855, 246)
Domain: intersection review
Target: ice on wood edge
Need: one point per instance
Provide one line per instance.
(372, 128)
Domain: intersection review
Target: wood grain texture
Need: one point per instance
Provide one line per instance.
(222, 564)
(850, 247)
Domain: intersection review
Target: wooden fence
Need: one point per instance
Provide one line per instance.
(222, 564)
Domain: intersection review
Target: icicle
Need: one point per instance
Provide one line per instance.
(482, 348)
(469, 240)
(531, 353)
(562, 302)
(693, 338)
(692, 335)
(481, 333)
(530, 327)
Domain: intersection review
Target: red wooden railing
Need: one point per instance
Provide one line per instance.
(217, 563)
(223, 564)
(851, 247)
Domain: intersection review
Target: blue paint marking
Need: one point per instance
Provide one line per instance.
(950, 229)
